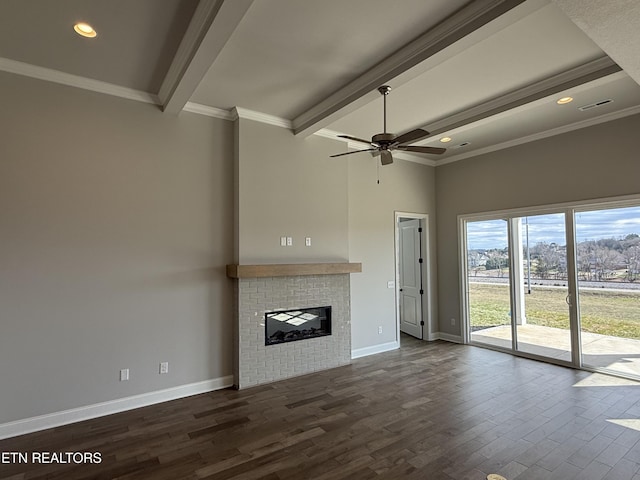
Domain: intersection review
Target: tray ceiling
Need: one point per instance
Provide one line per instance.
(485, 72)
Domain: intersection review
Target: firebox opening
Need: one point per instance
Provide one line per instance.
(299, 324)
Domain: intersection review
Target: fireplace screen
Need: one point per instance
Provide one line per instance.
(299, 324)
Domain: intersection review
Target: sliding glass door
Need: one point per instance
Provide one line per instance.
(608, 264)
(517, 284)
(542, 321)
(562, 285)
(488, 283)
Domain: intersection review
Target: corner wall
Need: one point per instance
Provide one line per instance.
(595, 162)
(404, 187)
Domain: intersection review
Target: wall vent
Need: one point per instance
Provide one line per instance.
(594, 105)
(463, 144)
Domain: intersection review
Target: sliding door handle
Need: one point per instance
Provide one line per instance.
(568, 300)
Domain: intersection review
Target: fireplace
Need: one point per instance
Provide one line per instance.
(263, 292)
(299, 324)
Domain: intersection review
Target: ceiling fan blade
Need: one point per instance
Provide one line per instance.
(430, 150)
(349, 153)
(355, 139)
(411, 136)
(386, 158)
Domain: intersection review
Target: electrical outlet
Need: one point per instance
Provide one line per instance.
(379, 330)
(391, 284)
(453, 321)
(289, 241)
(307, 241)
(124, 374)
(164, 367)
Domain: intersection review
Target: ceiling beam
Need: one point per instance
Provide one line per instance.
(211, 26)
(587, 72)
(469, 19)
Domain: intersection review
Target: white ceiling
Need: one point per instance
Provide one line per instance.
(486, 72)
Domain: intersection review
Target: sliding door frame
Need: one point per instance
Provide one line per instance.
(569, 210)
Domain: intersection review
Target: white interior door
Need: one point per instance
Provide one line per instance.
(410, 278)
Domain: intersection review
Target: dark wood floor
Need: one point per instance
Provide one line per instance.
(426, 411)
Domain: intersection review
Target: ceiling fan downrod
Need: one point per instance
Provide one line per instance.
(384, 90)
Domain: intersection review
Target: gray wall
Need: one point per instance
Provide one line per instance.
(115, 227)
(288, 186)
(595, 162)
(405, 187)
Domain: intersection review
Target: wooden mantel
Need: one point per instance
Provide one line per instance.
(291, 270)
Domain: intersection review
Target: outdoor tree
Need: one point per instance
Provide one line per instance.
(585, 254)
(632, 258)
(547, 259)
(496, 261)
(605, 261)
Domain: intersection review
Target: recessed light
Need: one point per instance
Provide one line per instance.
(446, 139)
(564, 100)
(85, 30)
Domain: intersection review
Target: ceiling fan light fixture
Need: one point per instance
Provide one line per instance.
(381, 144)
(85, 30)
(564, 100)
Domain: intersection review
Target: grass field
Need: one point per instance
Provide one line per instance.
(605, 312)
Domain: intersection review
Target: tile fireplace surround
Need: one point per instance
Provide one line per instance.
(261, 289)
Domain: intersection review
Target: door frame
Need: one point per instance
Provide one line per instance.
(569, 209)
(427, 333)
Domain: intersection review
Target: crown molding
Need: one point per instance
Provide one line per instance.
(246, 114)
(50, 75)
(546, 134)
(209, 111)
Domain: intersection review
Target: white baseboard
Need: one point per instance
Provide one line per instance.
(383, 347)
(56, 419)
(448, 337)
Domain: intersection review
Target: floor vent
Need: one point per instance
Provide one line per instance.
(594, 105)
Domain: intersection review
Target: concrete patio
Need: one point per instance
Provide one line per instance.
(621, 355)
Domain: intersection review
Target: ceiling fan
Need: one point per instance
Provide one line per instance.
(383, 143)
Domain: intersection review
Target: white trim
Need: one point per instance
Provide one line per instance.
(209, 111)
(568, 209)
(426, 271)
(541, 135)
(47, 74)
(332, 134)
(447, 337)
(366, 351)
(56, 419)
(463, 317)
(578, 205)
(245, 113)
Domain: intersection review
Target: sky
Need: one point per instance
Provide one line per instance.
(592, 225)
